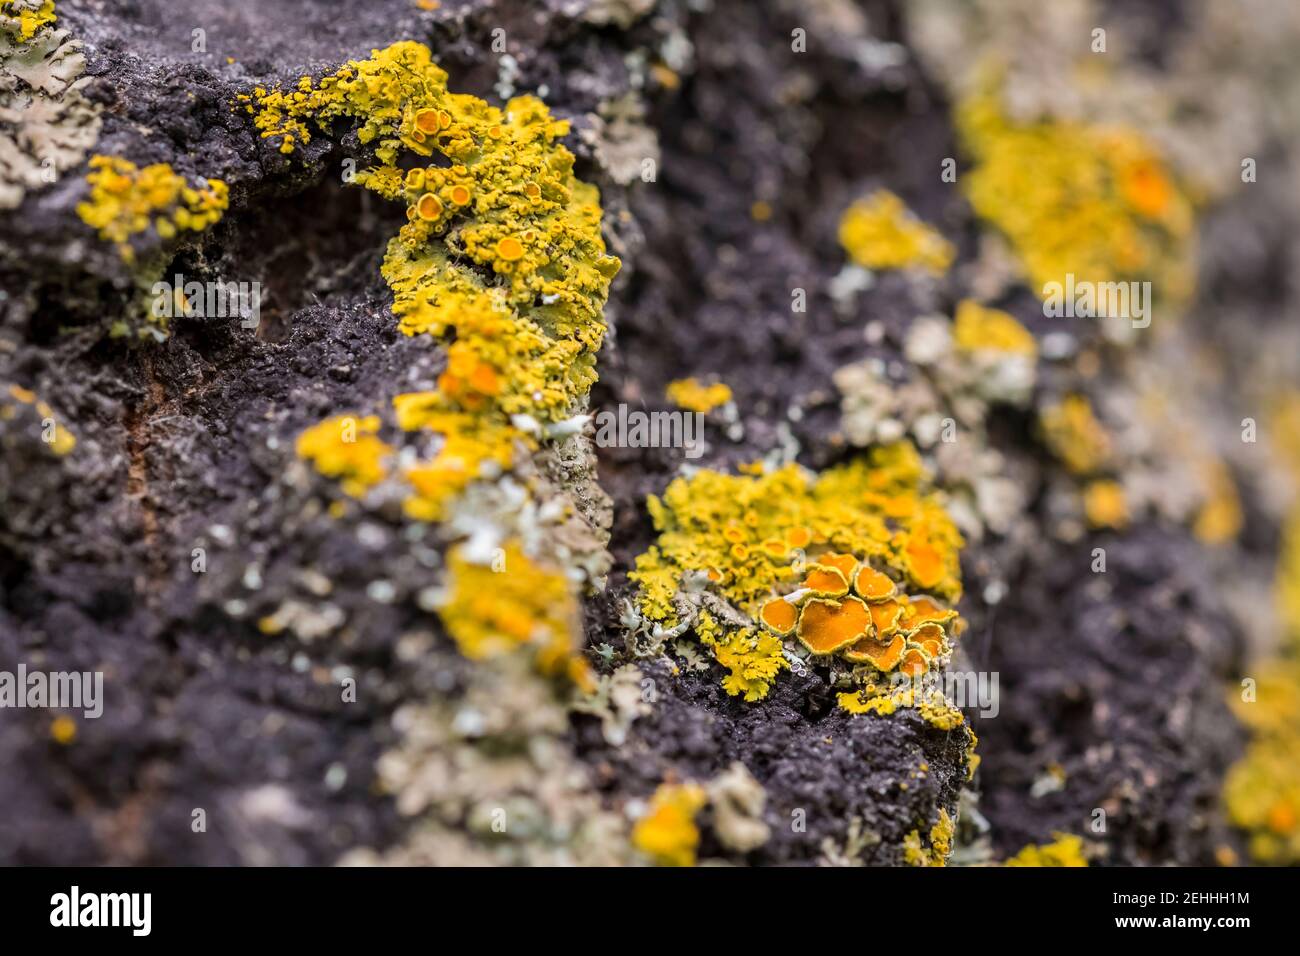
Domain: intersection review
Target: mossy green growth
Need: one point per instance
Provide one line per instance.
(23, 19)
(1095, 202)
(126, 201)
(502, 244)
(751, 538)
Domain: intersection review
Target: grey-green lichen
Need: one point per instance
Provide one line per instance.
(47, 125)
(487, 778)
(958, 371)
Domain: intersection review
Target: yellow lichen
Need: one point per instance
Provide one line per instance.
(63, 730)
(857, 703)
(883, 700)
(878, 232)
(1262, 790)
(126, 201)
(347, 447)
(469, 447)
(24, 18)
(1262, 796)
(1219, 519)
(1074, 434)
(977, 328)
(807, 541)
(1287, 582)
(502, 245)
(1096, 203)
(1283, 427)
(513, 602)
(694, 396)
(1065, 850)
(667, 833)
(60, 441)
(752, 657)
(501, 253)
(473, 447)
(1105, 505)
(917, 853)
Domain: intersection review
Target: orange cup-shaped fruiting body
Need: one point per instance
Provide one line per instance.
(885, 616)
(846, 564)
(779, 615)
(827, 626)
(873, 585)
(798, 537)
(426, 121)
(428, 207)
(826, 582)
(510, 249)
(883, 655)
(923, 610)
(914, 663)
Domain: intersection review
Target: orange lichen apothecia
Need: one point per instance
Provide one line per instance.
(859, 562)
